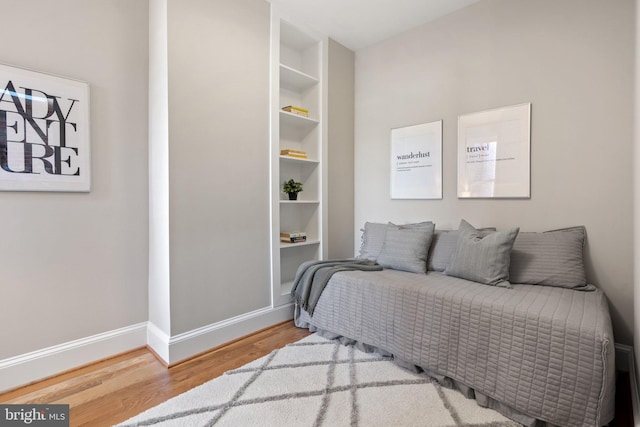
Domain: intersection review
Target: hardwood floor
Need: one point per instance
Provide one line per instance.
(624, 406)
(114, 390)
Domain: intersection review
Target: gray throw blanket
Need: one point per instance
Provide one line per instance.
(312, 277)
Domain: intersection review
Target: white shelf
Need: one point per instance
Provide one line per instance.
(297, 120)
(294, 160)
(295, 80)
(294, 126)
(285, 288)
(299, 202)
(297, 245)
(293, 37)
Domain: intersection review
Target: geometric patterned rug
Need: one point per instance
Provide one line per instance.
(317, 382)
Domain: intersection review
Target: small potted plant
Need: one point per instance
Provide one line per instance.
(292, 188)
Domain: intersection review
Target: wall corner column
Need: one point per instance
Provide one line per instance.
(159, 279)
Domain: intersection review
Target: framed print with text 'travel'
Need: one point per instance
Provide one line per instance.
(494, 153)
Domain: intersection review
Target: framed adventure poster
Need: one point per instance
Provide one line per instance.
(44, 132)
(416, 161)
(494, 153)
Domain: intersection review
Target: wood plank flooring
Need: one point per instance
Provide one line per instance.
(114, 390)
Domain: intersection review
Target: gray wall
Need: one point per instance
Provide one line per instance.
(340, 150)
(75, 264)
(573, 60)
(218, 160)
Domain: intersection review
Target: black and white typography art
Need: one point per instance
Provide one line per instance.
(416, 161)
(494, 153)
(44, 132)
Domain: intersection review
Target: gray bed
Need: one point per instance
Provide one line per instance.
(538, 354)
(540, 351)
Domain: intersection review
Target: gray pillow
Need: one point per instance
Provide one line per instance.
(405, 248)
(373, 235)
(372, 240)
(482, 259)
(552, 258)
(442, 247)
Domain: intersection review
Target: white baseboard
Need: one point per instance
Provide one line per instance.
(183, 346)
(36, 365)
(29, 367)
(625, 362)
(158, 341)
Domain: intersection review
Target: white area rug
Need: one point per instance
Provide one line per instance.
(317, 382)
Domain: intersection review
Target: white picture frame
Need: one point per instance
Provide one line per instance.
(44, 132)
(416, 161)
(494, 150)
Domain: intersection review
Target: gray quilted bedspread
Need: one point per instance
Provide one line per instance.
(542, 351)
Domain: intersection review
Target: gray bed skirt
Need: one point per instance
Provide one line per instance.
(482, 399)
(537, 354)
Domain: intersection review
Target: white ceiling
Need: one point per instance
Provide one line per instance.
(361, 23)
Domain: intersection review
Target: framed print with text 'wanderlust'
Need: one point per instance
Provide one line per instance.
(416, 161)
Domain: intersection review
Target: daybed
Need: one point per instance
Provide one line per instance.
(540, 353)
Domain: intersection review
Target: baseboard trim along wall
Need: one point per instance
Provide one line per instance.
(625, 362)
(182, 346)
(36, 365)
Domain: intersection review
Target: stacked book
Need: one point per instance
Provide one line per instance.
(296, 110)
(299, 154)
(297, 237)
